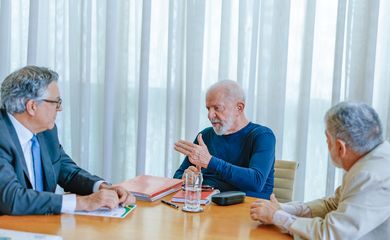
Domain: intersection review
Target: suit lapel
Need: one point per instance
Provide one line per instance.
(15, 141)
(50, 182)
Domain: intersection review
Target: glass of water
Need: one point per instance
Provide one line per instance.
(193, 189)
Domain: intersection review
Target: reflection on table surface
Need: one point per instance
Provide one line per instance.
(152, 221)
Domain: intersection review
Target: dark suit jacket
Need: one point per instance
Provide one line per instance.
(16, 194)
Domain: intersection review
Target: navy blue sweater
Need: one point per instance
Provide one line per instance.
(241, 161)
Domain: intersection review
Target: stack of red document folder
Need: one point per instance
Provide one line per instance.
(150, 188)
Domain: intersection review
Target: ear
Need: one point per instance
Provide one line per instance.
(31, 107)
(341, 148)
(240, 106)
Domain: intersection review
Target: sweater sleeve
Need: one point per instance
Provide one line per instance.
(253, 177)
(321, 207)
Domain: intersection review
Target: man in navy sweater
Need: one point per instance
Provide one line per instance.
(233, 154)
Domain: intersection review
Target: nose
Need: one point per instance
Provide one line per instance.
(211, 113)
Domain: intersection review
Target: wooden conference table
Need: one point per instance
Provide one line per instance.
(151, 221)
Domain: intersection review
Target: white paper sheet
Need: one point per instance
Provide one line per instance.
(119, 212)
(6, 234)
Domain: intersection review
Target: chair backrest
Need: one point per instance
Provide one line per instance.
(284, 180)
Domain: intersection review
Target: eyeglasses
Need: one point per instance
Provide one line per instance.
(58, 102)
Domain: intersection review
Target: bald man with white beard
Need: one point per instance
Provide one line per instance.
(234, 154)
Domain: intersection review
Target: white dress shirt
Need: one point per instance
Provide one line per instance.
(284, 219)
(24, 136)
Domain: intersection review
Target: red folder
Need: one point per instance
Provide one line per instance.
(205, 196)
(150, 188)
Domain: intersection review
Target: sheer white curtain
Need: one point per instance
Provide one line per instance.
(133, 74)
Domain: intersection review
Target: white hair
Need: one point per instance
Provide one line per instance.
(357, 124)
(27, 83)
(230, 88)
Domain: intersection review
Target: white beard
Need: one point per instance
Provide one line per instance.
(225, 126)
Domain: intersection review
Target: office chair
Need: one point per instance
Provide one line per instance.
(284, 178)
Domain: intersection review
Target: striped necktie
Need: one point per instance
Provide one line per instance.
(37, 163)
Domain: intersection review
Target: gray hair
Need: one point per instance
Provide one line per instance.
(27, 83)
(357, 124)
(231, 89)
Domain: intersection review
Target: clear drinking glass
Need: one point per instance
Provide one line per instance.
(193, 189)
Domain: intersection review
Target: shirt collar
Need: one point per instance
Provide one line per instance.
(24, 134)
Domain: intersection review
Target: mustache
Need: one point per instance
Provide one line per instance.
(215, 121)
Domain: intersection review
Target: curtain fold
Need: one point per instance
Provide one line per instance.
(76, 48)
(175, 72)
(5, 38)
(133, 75)
(32, 32)
(272, 68)
(143, 88)
(225, 40)
(111, 76)
(362, 27)
(195, 11)
(251, 85)
(244, 26)
(304, 100)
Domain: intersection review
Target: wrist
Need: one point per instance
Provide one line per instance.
(213, 164)
(80, 203)
(105, 185)
(206, 163)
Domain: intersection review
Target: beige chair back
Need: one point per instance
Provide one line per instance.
(284, 180)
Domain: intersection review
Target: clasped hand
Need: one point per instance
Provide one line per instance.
(107, 196)
(263, 210)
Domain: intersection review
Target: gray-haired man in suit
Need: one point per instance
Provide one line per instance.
(360, 207)
(32, 161)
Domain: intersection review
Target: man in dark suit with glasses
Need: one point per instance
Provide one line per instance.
(33, 162)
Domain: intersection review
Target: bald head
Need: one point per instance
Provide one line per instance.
(230, 89)
(225, 103)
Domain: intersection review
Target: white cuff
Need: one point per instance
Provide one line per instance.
(296, 208)
(283, 220)
(68, 203)
(97, 185)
